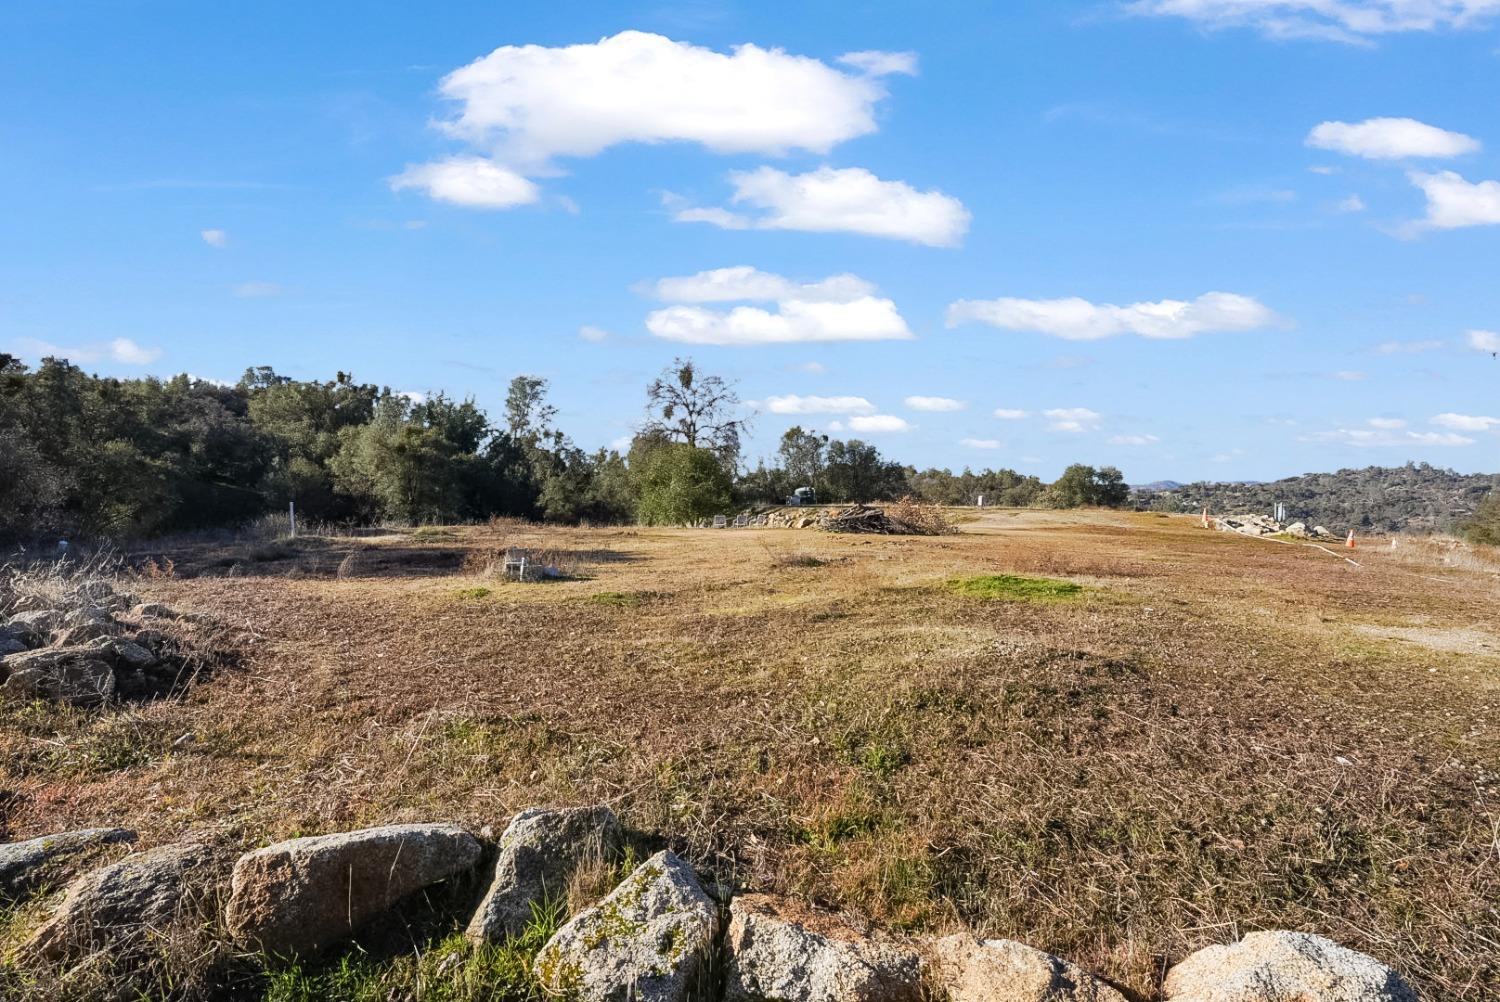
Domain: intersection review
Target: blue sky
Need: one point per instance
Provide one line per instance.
(1193, 238)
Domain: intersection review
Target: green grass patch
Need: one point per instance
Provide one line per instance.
(478, 591)
(1011, 588)
(621, 599)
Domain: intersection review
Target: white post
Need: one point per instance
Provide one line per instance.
(291, 511)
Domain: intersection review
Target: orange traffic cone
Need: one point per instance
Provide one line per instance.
(1350, 541)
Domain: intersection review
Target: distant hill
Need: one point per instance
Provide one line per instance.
(1415, 497)
(1157, 485)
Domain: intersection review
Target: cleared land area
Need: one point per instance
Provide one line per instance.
(1209, 735)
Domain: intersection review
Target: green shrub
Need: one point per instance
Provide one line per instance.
(681, 484)
(1484, 527)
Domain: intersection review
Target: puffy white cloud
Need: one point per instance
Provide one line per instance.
(121, 349)
(1010, 414)
(845, 200)
(215, 238)
(791, 403)
(1391, 139)
(744, 283)
(1336, 20)
(980, 443)
(1484, 340)
(1466, 422)
(1072, 419)
(840, 308)
(591, 333)
(935, 404)
(1351, 204)
(414, 397)
(1453, 202)
(257, 290)
(531, 103)
(877, 424)
(474, 182)
(1133, 440)
(1080, 320)
(1386, 438)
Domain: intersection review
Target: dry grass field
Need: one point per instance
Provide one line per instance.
(1210, 735)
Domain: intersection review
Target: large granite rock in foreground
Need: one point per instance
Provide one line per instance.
(538, 854)
(298, 896)
(25, 865)
(973, 970)
(1284, 967)
(77, 675)
(784, 952)
(121, 907)
(648, 941)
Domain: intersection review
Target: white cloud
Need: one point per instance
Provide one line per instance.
(1010, 414)
(744, 283)
(878, 423)
(1407, 347)
(879, 64)
(1466, 422)
(1386, 438)
(473, 182)
(1335, 20)
(415, 397)
(121, 349)
(841, 308)
(1323, 169)
(935, 404)
(981, 443)
(1080, 320)
(1386, 424)
(1453, 202)
(215, 238)
(846, 200)
(523, 106)
(1133, 440)
(591, 333)
(1484, 340)
(257, 290)
(791, 403)
(1351, 204)
(1391, 139)
(813, 368)
(622, 444)
(1072, 419)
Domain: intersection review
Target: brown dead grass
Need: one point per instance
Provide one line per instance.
(1202, 743)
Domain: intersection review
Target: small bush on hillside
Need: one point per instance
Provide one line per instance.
(1484, 527)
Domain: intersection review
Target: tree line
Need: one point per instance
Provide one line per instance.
(121, 458)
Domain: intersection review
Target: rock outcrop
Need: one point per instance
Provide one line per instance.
(298, 896)
(121, 907)
(781, 951)
(1284, 967)
(25, 865)
(537, 856)
(648, 941)
(77, 675)
(974, 970)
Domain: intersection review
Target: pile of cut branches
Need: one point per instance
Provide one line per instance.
(907, 517)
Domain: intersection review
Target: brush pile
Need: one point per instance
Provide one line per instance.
(906, 517)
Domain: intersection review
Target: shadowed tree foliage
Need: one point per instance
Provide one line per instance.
(1484, 527)
(681, 483)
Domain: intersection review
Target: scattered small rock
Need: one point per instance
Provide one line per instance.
(24, 865)
(648, 941)
(784, 952)
(298, 896)
(1281, 967)
(82, 633)
(974, 970)
(36, 623)
(537, 855)
(152, 610)
(120, 906)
